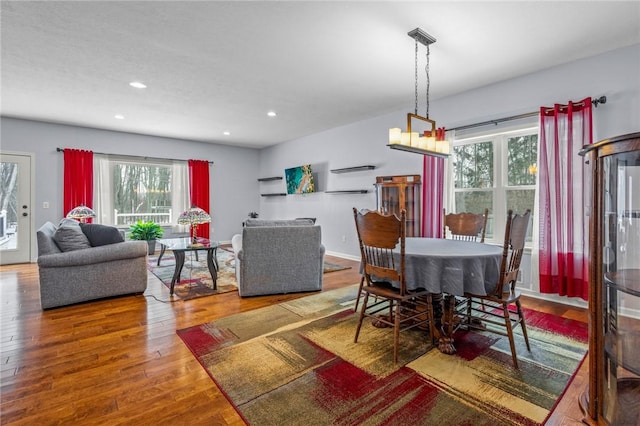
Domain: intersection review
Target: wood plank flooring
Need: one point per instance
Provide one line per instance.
(119, 361)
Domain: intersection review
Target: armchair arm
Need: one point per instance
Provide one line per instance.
(93, 255)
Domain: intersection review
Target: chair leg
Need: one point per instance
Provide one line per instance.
(396, 331)
(523, 325)
(364, 307)
(359, 294)
(512, 344)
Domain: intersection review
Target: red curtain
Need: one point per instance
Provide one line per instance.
(199, 191)
(78, 179)
(432, 190)
(564, 245)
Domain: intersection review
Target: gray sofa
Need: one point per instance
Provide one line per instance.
(278, 256)
(88, 273)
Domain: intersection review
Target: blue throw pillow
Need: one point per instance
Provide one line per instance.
(101, 235)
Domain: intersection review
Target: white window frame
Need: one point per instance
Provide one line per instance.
(500, 187)
(179, 177)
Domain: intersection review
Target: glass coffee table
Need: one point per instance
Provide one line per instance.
(179, 246)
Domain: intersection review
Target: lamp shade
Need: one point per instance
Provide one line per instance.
(81, 212)
(193, 216)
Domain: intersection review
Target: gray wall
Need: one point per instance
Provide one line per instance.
(615, 74)
(233, 184)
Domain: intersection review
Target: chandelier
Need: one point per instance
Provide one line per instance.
(431, 141)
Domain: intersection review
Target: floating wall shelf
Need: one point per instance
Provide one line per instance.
(353, 169)
(270, 178)
(415, 150)
(274, 194)
(350, 191)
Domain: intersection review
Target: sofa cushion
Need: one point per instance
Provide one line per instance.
(46, 244)
(286, 222)
(101, 235)
(70, 237)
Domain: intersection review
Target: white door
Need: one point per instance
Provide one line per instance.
(15, 208)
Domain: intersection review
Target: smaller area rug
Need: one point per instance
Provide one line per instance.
(295, 363)
(195, 280)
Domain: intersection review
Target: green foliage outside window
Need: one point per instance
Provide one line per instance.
(478, 186)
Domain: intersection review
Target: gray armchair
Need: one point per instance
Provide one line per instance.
(88, 273)
(274, 257)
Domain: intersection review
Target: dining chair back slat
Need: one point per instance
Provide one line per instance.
(465, 226)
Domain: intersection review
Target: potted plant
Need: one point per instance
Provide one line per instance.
(147, 231)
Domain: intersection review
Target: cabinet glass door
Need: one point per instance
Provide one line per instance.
(390, 199)
(620, 386)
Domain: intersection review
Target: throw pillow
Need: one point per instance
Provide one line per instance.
(100, 235)
(70, 237)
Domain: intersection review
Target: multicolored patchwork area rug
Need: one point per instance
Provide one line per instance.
(296, 364)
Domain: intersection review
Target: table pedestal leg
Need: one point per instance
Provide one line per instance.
(443, 322)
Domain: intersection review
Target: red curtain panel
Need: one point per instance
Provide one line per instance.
(432, 190)
(564, 245)
(78, 179)
(199, 191)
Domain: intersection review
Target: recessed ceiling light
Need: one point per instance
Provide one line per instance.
(227, 133)
(119, 116)
(272, 114)
(138, 85)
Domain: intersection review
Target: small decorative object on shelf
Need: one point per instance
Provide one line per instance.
(353, 169)
(613, 396)
(253, 215)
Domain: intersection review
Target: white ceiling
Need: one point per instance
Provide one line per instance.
(215, 66)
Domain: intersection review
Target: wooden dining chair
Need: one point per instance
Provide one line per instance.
(465, 226)
(382, 248)
(492, 312)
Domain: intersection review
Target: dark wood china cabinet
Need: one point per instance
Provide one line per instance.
(613, 395)
(394, 193)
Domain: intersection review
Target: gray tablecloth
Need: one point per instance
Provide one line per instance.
(450, 266)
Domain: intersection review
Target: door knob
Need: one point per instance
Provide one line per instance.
(25, 214)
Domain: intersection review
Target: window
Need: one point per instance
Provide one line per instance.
(139, 189)
(497, 172)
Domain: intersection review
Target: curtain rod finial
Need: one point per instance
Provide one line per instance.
(600, 100)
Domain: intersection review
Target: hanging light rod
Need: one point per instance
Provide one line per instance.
(421, 36)
(428, 142)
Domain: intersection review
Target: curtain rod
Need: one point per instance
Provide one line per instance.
(136, 156)
(595, 102)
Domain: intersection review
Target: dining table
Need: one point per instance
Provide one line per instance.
(448, 268)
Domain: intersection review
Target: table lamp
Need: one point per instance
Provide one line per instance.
(192, 217)
(81, 213)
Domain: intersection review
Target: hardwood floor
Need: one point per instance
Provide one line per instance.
(119, 361)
